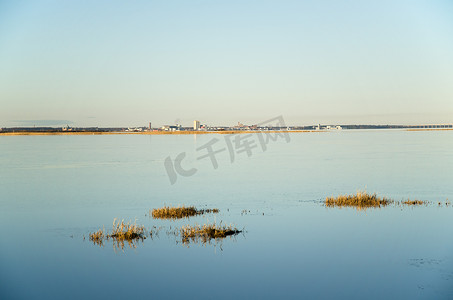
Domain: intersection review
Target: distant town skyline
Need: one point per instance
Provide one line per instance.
(112, 63)
(354, 120)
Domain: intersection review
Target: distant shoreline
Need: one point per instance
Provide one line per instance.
(186, 132)
(428, 129)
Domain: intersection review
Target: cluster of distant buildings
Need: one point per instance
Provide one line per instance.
(197, 126)
(328, 127)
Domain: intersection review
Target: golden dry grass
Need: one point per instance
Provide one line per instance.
(206, 232)
(121, 232)
(168, 212)
(98, 237)
(360, 200)
(126, 231)
(413, 202)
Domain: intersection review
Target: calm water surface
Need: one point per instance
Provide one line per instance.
(55, 190)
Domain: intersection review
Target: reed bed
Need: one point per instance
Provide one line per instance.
(360, 200)
(127, 231)
(98, 237)
(168, 212)
(207, 232)
(121, 232)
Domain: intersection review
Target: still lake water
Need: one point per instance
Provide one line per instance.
(55, 190)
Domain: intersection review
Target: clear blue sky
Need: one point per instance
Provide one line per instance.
(124, 63)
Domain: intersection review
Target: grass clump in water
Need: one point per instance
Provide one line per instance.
(98, 237)
(121, 232)
(127, 231)
(413, 202)
(207, 232)
(168, 212)
(361, 200)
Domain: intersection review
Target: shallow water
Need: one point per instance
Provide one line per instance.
(55, 190)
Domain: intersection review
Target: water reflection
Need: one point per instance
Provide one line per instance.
(121, 233)
(207, 234)
(130, 235)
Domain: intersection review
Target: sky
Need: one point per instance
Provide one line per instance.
(128, 63)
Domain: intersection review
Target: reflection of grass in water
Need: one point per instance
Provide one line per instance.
(179, 212)
(130, 234)
(121, 233)
(206, 232)
(120, 244)
(361, 200)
